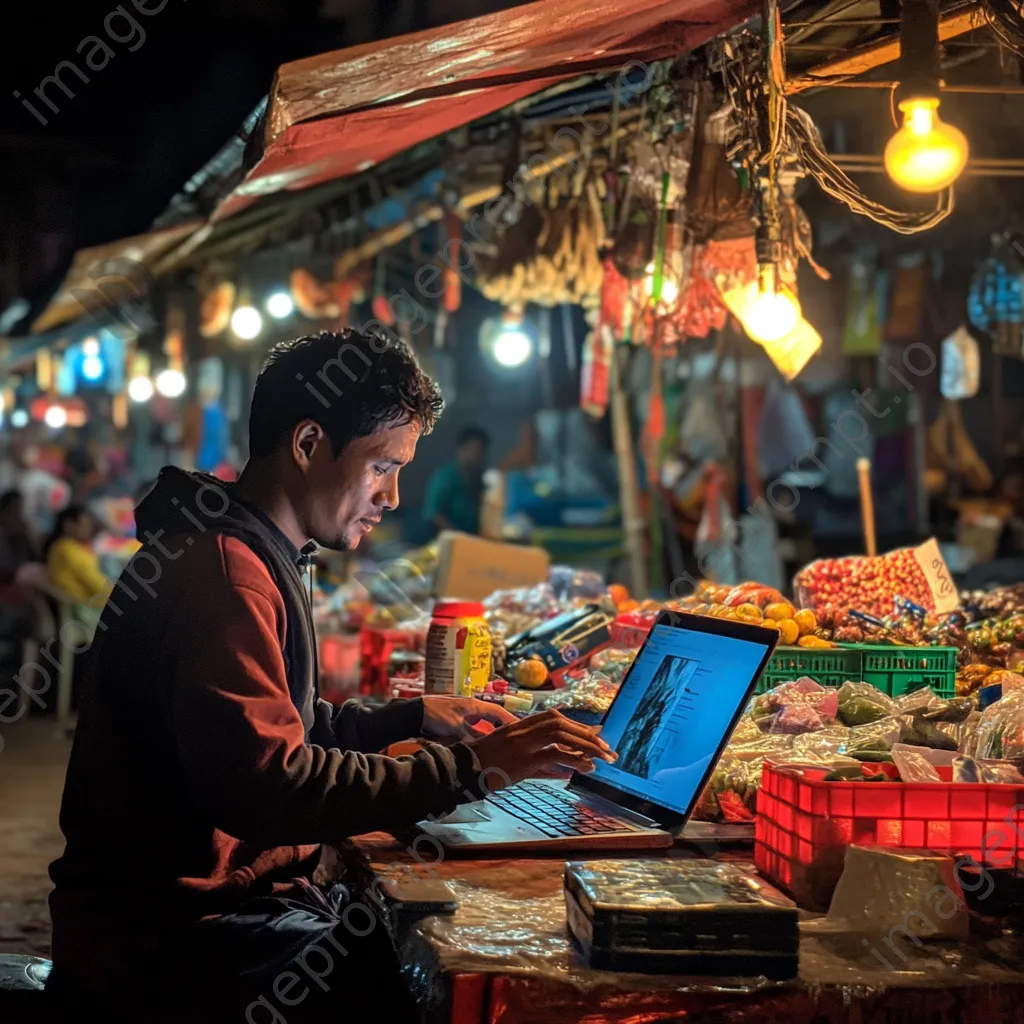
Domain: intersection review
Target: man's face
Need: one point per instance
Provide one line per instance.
(473, 454)
(348, 495)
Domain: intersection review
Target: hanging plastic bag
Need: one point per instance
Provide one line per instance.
(784, 432)
(961, 366)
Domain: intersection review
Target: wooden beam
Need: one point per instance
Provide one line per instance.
(874, 55)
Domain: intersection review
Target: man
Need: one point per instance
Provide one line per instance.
(455, 491)
(205, 770)
(17, 544)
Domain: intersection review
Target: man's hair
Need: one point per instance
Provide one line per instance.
(352, 384)
(467, 434)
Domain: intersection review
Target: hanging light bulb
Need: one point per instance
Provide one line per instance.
(793, 352)
(92, 367)
(140, 389)
(766, 309)
(246, 322)
(19, 418)
(669, 285)
(90, 347)
(170, 383)
(280, 305)
(926, 154)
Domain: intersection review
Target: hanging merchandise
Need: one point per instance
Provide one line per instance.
(793, 352)
(951, 451)
(961, 366)
(380, 307)
(550, 254)
(598, 349)
(906, 303)
(214, 436)
(329, 300)
(215, 309)
(450, 276)
(865, 309)
(717, 533)
(784, 432)
(995, 304)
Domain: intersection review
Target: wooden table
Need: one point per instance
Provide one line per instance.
(504, 958)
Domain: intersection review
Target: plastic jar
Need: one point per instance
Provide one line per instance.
(458, 649)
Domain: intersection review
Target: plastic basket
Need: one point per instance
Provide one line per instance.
(804, 824)
(893, 670)
(899, 670)
(339, 666)
(375, 649)
(830, 667)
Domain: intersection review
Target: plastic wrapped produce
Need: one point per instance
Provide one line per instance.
(874, 737)
(913, 767)
(861, 704)
(613, 662)
(823, 701)
(1000, 732)
(969, 769)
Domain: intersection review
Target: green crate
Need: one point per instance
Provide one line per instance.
(900, 670)
(830, 667)
(893, 670)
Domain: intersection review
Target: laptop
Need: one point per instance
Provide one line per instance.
(669, 722)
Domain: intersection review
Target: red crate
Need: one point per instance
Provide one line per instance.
(375, 649)
(339, 666)
(805, 824)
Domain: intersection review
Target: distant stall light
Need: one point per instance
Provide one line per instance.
(170, 383)
(140, 389)
(90, 348)
(56, 416)
(280, 305)
(92, 367)
(512, 347)
(246, 322)
(19, 418)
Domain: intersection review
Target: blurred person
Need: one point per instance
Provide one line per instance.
(17, 541)
(205, 770)
(455, 490)
(72, 563)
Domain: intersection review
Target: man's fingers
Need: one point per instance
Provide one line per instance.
(587, 743)
(559, 725)
(555, 753)
(483, 710)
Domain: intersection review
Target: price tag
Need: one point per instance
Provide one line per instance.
(937, 575)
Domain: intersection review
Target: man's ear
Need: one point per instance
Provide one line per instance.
(307, 437)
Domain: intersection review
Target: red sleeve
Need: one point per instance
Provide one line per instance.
(241, 742)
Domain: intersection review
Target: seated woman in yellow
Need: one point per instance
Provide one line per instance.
(70, 559)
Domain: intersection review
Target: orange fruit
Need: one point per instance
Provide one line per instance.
(789, 632)
(629, 605)
(806, 621)
(749, 611)
(618, 593)
(779, 611)
(813, 642)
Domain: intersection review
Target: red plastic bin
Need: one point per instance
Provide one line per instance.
(339, 666)
(375, 649)
(804, 824)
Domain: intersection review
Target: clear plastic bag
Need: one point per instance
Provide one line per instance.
(913, 767)
(875, 736)
(969, 769)
(1000, 732)
(861, 704)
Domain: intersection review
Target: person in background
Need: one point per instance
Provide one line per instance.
(455, 490)
(17, 543)
(70, 559)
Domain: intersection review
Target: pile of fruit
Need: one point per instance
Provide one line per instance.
(863, 584)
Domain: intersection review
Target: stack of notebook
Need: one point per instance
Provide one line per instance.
(680, 917)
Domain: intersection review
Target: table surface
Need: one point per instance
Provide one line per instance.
(511, 923)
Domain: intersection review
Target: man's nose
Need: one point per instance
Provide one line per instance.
(387, 498)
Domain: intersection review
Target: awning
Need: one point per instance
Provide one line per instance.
(343, 112)
(107, 276)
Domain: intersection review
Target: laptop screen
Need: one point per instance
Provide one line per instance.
(672, 712)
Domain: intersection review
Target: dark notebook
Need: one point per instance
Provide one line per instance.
(680, 917)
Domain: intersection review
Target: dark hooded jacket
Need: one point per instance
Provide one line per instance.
(205, 768)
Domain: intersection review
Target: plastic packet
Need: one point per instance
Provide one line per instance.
(831, 741)
(969, 769)
(1000, 732)
(918, 700)
(803, 692)
(613, 662)
(589, 691)
(862, 704)
(875, 736)
(913, 767)
(795, 719)
(918, 731)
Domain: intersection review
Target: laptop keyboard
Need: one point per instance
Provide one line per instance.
(554, 813)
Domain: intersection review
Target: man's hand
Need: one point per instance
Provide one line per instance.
(452, 718)
(519, 751)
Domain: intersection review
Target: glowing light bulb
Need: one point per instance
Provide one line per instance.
(246, 322)
(766, 313)
(280, 305)
(140, 389)
(55, 417)
(669, 285)
(512, 347)
(90, 347)
(926, 154)
(19, 418)
(170, 383)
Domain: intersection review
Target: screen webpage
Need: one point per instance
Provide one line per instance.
(672, 712)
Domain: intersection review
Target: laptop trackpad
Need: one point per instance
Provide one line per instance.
(466, 814)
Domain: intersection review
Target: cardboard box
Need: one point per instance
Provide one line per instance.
(472, 568)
